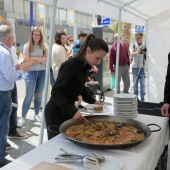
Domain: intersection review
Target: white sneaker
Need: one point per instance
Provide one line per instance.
(21, 122)
(37, 118)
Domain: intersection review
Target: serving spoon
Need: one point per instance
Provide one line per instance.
(99, 157)
(89, 162)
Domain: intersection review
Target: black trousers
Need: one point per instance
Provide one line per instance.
(13, 117)
(54, 117)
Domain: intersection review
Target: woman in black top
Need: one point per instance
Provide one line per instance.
(71, 81)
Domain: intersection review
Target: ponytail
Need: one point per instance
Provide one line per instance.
(94, 43)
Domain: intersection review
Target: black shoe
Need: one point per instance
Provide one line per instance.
(80, 107)
(4, 162)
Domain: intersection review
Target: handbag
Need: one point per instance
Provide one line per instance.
(112, 82)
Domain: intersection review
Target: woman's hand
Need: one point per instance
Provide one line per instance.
(97, 102)
(79, 116)
(164, 110)
(95, 69)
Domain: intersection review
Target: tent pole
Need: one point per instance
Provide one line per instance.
(118, 6)
(147, 63)
(118, 44)
(117, 53)
(48, 65)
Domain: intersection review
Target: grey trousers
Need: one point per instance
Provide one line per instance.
(124, 74)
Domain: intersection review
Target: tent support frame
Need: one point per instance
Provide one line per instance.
(54, 4)
(48, 65)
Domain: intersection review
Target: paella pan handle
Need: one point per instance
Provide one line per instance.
(155, 125)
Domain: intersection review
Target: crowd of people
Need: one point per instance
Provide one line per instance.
(77, 59)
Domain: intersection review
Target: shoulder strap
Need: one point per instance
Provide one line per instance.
(134, 47)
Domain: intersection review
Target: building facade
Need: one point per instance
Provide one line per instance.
(18, 13)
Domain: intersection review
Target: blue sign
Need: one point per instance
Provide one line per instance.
(23, 23)
(105, 21)
(139, 28)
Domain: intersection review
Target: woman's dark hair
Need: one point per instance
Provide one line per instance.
(57, 37)
(94, 43)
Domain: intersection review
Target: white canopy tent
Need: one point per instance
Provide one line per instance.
(153, 14)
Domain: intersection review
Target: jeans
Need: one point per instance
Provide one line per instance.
(52, 80)
(13, 117)
(141, 78)
(5, 112)
(34, 84)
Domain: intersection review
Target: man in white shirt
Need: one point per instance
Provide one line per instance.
(8, 75)
(13, 133)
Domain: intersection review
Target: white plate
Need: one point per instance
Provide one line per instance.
(125, 95)
(84, 113)
(125, 110)
(125, 102)
(128, 116)
(125, 105)
(107, 104)
(91, 108)
(111, 163)
(127, 113)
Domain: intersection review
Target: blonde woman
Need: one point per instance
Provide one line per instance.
(34, 52)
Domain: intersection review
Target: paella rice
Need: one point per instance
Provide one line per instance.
(104, 132)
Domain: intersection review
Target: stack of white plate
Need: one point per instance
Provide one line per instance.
(125, 105)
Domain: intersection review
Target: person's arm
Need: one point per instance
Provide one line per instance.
(42, 60)
(57, 94)
(167, 83)
(95, 69)
(127, 54)
(111, 60)
(26, 56)
(165, 107)
(58, 57)
(133, 53)
(29, 59)
(9, 70)
(87, 95)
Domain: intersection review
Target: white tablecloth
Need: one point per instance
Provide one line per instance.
(144, 156)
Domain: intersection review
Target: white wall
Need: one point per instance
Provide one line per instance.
(159, 47)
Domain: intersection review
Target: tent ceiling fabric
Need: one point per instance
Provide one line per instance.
(143, 8)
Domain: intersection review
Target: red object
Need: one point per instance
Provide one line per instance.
(123, 56)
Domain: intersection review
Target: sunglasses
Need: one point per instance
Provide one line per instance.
(71, 40)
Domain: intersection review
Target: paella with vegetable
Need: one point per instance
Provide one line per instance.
(104, 132)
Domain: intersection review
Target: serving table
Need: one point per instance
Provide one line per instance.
(143, 156)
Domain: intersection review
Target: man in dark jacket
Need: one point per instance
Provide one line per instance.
(165, 107)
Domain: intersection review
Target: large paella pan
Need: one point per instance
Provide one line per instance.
(137, 124)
